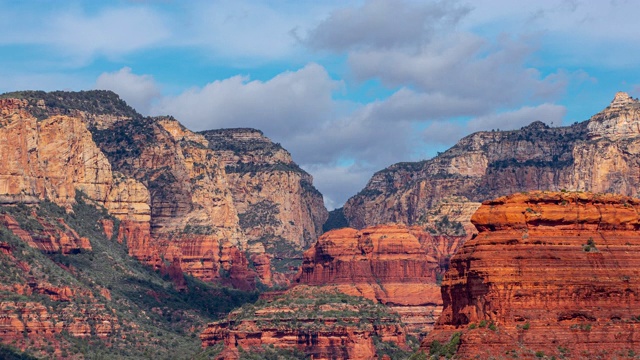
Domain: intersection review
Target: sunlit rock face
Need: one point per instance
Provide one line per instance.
(598, 155)
(554, 272)
(395, 265)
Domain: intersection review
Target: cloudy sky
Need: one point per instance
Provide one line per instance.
(348, 87)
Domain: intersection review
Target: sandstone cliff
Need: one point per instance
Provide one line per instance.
(321, 323)
(599, 155)
(69, 290)
(176, 203)
(550, 273)
(276, 202)
(396, 265)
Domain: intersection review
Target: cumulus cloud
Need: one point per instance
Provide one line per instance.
(575, 33)
(462, 65)
(290, 103)
(384, 24)
(137, 90)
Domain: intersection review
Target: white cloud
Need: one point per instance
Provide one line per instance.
(290, 103)
(463, 65)
(384, 24)
(137, 90)
(79, 36)
(574, 33)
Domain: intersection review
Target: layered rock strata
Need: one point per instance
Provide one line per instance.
(322, 323)
(164, 183)
(48, 237)
(396, 265)
(598, 155)
(276, 202)
(550, 273)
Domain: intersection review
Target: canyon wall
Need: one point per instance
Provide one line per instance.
(551, 273)
(278, 207)
(599, 155)
(396, 265)
(167, 185)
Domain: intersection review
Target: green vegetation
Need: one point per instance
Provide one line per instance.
(97, 102)
(446, 227)
(302, 308)
(590, 246)
(154, 319)
(9, 353)
(260, 214)
(447, 350)
(336, 220)
(224, 140)
(389, 348)
(271, 353)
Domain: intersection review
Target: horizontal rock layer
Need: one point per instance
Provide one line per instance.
(393, 264)
(319, 322)
(553, 273)
(598, 155)
(166, 184)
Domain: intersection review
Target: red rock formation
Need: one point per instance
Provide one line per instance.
(262, 264)
(555, 273)
(107, 227)
(393, 264)
(49, 238)
(319, 322)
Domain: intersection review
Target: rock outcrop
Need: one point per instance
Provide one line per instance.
(276, 202)
(396, 265)
(550, 273)
(322, 323)
(65, 281)
(164, 183)
(598, 155)
(49, 237)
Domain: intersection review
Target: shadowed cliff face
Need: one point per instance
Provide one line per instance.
(599, 155)
(551, 272)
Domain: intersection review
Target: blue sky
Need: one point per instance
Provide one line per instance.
(348, 87)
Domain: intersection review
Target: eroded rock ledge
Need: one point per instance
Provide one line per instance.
(553, 273)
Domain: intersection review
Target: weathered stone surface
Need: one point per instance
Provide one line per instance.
(396, 265)
(554, 272)
(598, 155)
(188, 206)
(320, 322)
(275, 199)
(49, 237)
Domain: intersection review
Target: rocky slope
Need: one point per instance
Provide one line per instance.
(550, 273)
(69, 290)
(277, 204)
(599, 155)
(396, 265)
(318, 323)
(164, 183)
